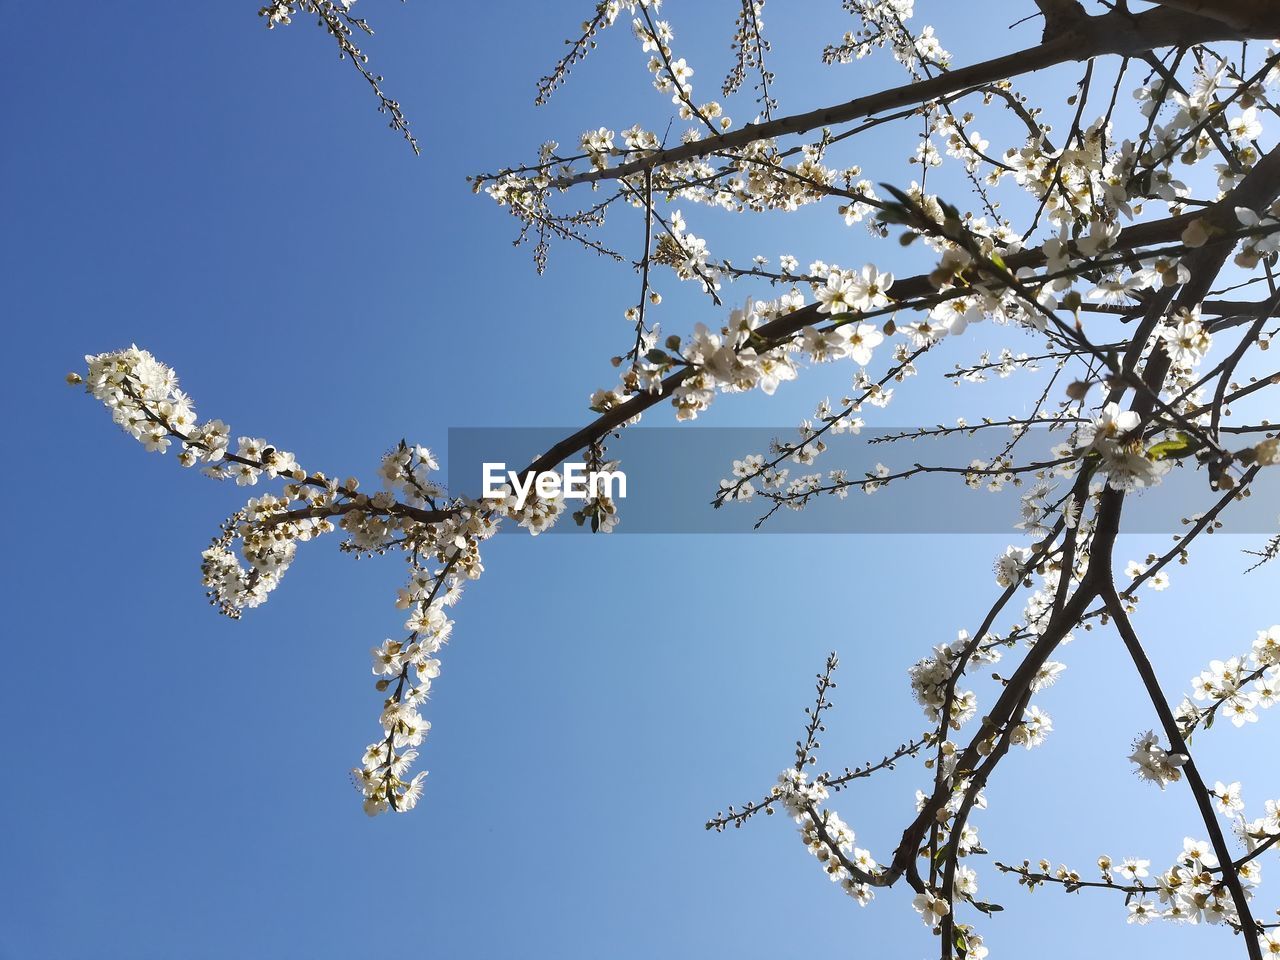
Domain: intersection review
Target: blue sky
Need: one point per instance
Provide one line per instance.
(228, 198)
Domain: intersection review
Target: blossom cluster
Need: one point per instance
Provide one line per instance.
(1192, 889)
(1237, 687)
(440, 535)
(825, 835)
(884, 24)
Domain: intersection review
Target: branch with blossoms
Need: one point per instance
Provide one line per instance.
(335, 18)
(1193, 889)
(1121, 449)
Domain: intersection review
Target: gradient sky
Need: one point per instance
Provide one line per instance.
(227, 197)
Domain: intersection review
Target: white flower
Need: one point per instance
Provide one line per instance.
(1246, 126)
(871, 287)
(1196, 233)
(837, 295)
(1111, 424)
(1239, 708)
(931, 908)
(1141, 910)
(1266, 649)
(386, 658)
(1154, 763)
(407, 800)
(1010, 565)
(1132, 868)
(1227, 797)
(1033, 729)
(861, 340)
(1186, 341)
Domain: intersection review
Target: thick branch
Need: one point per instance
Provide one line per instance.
(1249, 16)
(1117, 32)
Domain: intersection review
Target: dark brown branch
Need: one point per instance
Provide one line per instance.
(1244, 15)
(1177, 744)
(1116, 32)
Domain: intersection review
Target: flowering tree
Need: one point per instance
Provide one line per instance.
(1139, 256)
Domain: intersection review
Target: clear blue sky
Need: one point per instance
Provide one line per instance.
(178, 177)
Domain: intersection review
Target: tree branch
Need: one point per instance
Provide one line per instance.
(1177, 744)
(1117, 32)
